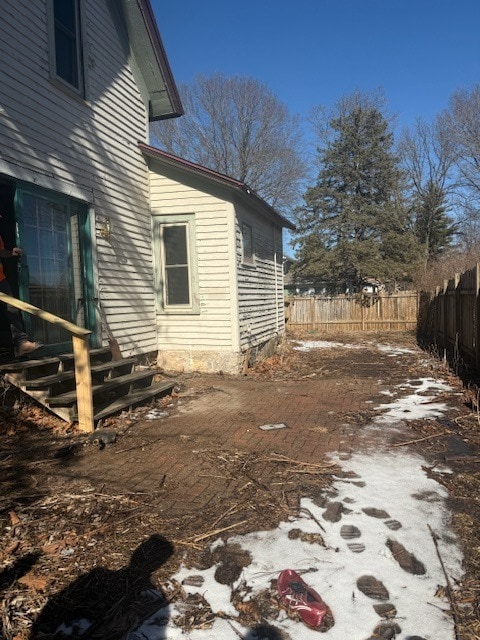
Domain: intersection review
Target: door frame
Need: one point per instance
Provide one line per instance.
(85, 255)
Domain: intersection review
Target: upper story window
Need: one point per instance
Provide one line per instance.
(247, 243)
(66, 44)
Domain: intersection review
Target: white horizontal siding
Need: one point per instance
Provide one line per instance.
(90, 145)
(213, 327)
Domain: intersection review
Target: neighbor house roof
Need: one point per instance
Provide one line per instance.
(242, 190)
(150, 57)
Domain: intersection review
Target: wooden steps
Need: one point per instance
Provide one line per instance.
(116, 384)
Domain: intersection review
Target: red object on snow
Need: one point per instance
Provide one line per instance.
(296, 596)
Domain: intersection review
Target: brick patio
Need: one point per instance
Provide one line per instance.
(217, 413)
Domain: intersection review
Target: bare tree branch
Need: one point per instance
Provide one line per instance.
(237, 127)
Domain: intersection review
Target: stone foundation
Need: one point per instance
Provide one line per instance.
(186, 361)
(190, 361)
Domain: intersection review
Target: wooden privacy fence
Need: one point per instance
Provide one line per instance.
(359, 312)
(450, 317)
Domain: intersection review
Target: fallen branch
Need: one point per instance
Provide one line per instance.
(235, 630)
(462, 458)
(307, 512)
(435, 435)
(280, 458)
(450, 594)
(209, 534)
(310, 471)
(229, 512)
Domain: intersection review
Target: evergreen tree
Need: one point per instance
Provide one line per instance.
(427, 152)
(433, 228)
(353, 224)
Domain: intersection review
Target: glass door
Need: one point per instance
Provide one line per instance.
(52, 273)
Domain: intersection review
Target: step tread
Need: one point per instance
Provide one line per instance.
(133, 398)
(45, 381)
(22, 365)
(71, 396)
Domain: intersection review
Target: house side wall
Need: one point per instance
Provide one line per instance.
(86, 149)
(207, 340)
(260, 285)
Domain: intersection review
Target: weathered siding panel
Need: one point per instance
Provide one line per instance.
(89, 147)
(260, 286)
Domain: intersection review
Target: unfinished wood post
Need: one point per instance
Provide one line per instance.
(476, 318)
(83, 379)
(445, 319)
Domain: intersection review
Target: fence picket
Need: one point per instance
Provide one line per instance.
(361, 312)
(449, 317)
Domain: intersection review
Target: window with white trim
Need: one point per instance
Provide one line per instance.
(175, 265)
(66, 53)
(177, 269)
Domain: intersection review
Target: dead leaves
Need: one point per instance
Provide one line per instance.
(14, 519)
(34, 581)
(12, 548)
(68, 541)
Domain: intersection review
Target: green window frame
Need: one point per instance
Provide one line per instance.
(176, 265)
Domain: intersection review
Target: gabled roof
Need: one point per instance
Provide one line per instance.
(151, 59)
(242, 190)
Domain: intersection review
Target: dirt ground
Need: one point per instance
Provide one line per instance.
(75, 513)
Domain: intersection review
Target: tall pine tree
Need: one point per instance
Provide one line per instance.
(428, 155)
(352, 225)
(433, 227)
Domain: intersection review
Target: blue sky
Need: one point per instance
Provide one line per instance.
(312, 52)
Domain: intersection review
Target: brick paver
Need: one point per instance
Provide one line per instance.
(218, 414)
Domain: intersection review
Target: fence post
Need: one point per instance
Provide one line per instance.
(457, 321)
(435, 317)
(476, 317)
(445, 318)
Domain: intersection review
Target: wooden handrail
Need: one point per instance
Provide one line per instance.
(83, 375)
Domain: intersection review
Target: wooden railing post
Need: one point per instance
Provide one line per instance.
(83, 379)
(83, 375)
(477, 316)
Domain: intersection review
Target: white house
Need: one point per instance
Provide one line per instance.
(80, 81)
(169, 256)
(219, 267)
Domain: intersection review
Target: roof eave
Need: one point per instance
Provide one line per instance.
(150, 55)
(239, 188)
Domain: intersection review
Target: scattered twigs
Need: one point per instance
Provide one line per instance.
(450, 594)
(229, 512)
(235, 630)
(209, 534)
(319, 468)
(434, 435)
(308, 513)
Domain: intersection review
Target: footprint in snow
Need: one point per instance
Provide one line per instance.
(349, 532)
(394, 525)
(376, 513)
(407, 561)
